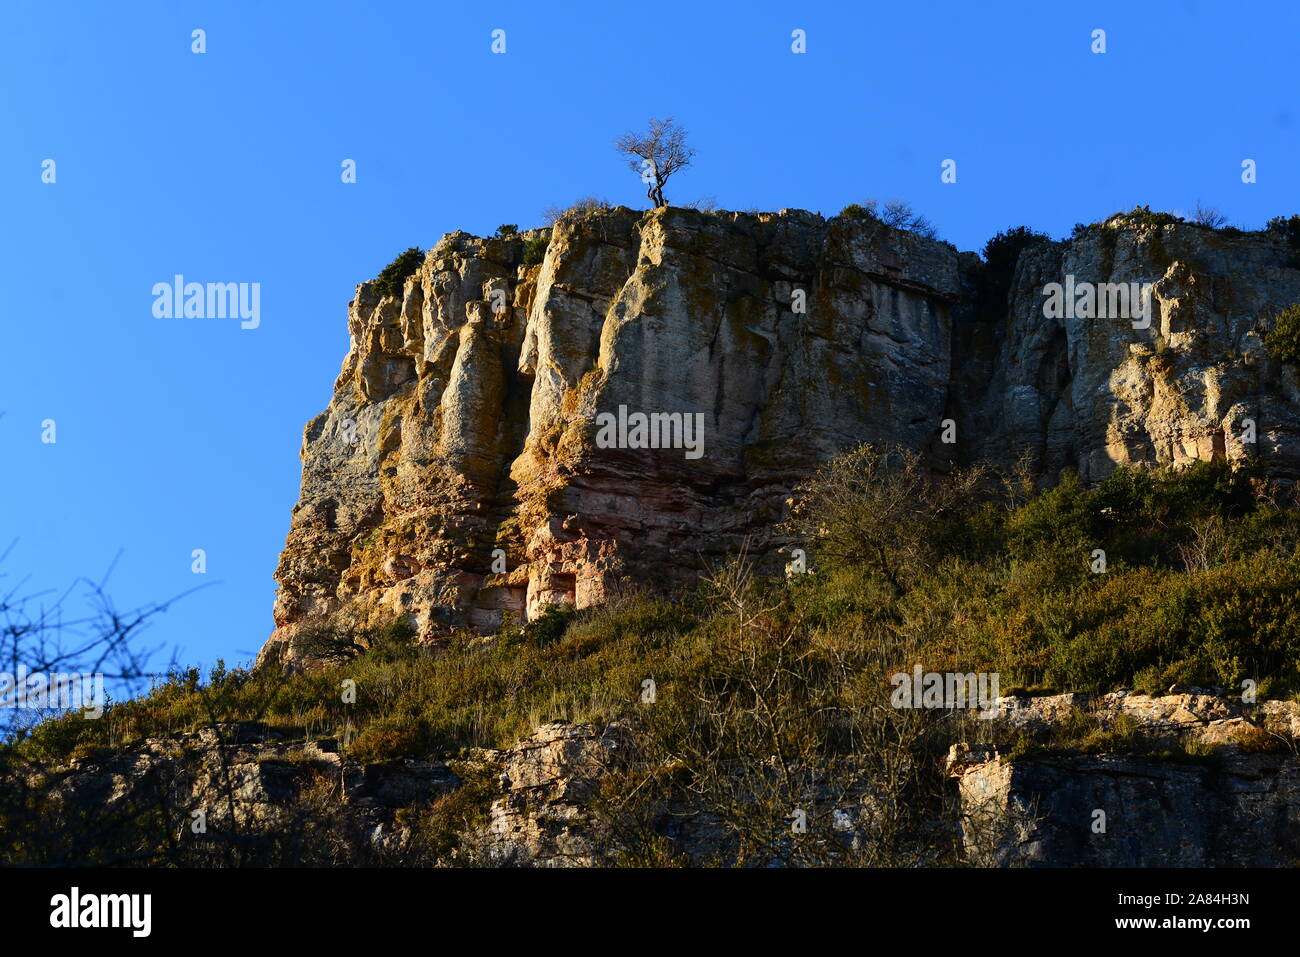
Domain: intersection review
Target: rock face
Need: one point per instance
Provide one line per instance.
(1090, 391)
(461, 473)
(271, 798)
(542, 816)
(1244, 812)
(1226, 805)
(464, 421)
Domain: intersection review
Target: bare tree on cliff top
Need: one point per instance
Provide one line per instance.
(656, 155)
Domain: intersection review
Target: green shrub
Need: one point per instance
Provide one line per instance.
(441, 830)
(1143, 216)
(1001, 254)
(535, 250)
(394, 275)
(1288, 227)
(1136, 514)
(1283, 340)
(387, 738)
(58, 737)
(1061, 518)
(507, 231)
(585, 206)
(549, 626)
(857, 211)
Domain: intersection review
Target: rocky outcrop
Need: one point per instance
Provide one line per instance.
(543, 815)
(246, 793)
(456, 475)
(1090, 389)
(1122, 811)
(460, 475)
(1209, 782)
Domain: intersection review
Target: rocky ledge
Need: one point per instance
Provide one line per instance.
(1179, 780)
(1208, 782)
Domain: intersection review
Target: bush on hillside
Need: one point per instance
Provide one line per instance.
(535, 250)
(1288, 227)
(1209, 217)
(1283, 340)
(895, 213)
(393, 276)
(585, 206)
(1143, 216)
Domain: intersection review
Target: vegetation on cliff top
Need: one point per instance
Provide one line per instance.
(895, 213)
(393, 276)
(1001, 255)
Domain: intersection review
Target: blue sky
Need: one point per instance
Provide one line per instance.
(177, 434)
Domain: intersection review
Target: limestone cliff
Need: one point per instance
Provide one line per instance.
(457, 474)
(1091, 392)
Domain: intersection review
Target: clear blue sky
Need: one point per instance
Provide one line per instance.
(181, 434)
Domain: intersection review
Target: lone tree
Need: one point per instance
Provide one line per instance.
(656, 155)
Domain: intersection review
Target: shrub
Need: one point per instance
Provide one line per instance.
(535, 250)
(896, 213)
(705, 204)
(507, 231)
(1209, 216)
(1143, 216)
(1137, 515)
(1001, 253)
(442, 832)
(388, 738)
(329, 642)
(880, 509)
(578, 209)
(1283, 340)
(1288, 227)
(340, 641)
(394, 643)
(549, 626)
(815, 705)
(60, 736)
(394, 275)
